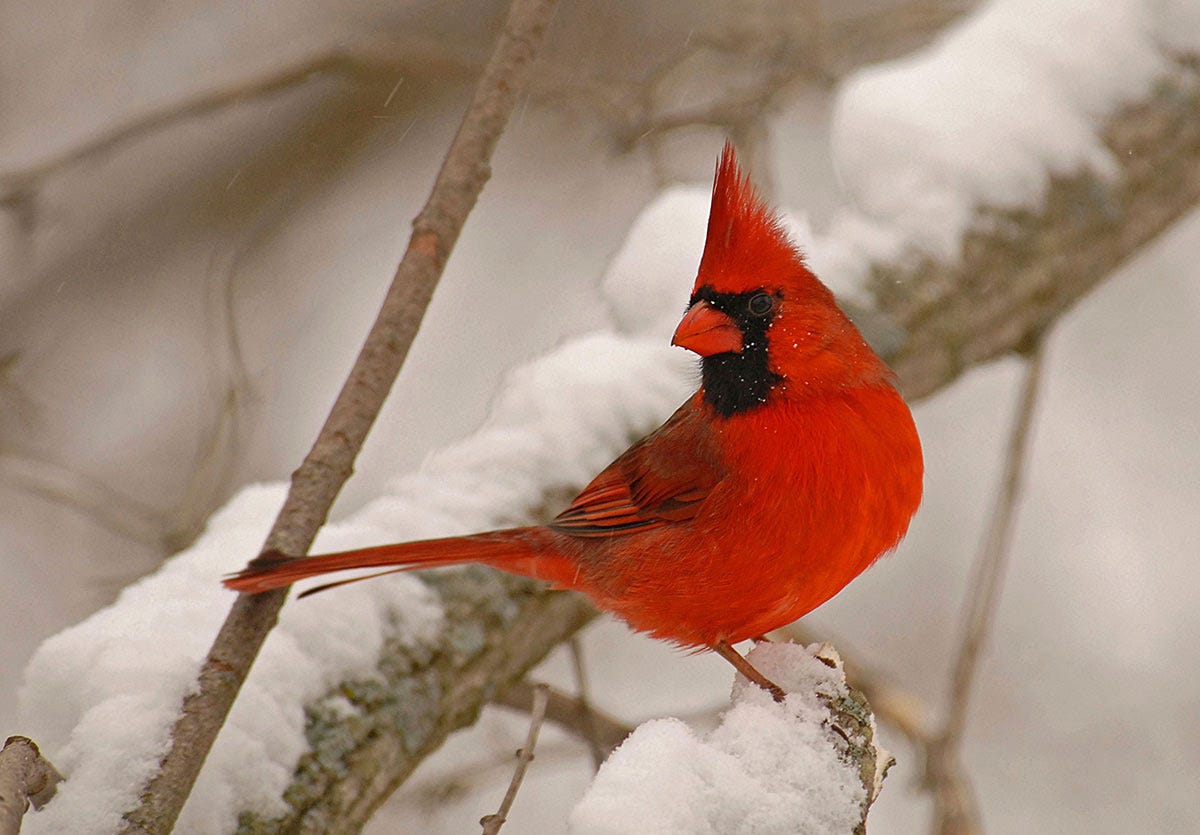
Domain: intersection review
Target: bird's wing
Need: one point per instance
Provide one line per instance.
(663, 478)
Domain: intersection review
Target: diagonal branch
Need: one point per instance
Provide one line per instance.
(993, 558)
(361, 62)
(956, 811)
(537, 714)
(317, 482)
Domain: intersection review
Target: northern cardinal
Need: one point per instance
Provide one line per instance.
(792, 469)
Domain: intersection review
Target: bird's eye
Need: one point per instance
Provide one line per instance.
(760, 304)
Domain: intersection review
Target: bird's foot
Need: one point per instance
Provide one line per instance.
(748, 670)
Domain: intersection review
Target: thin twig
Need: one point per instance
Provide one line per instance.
(994, 555)
(26, 778)
(600, 730)
(470, 776)
(98, 502)
(587, 717)
(372, 59)
(317, 482)
(956, 810)
(492, 823)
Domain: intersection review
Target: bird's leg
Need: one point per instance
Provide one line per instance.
(744, 667)
(761, 639)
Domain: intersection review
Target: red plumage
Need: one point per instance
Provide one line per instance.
(791, 470)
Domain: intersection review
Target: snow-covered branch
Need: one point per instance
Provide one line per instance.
(1022, 269)
(809, 764)
(368, 734)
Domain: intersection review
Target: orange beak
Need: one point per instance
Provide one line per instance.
(707, 331)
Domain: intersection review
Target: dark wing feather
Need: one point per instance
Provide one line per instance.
(663, 478)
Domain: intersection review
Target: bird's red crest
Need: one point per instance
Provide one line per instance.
(745, 238)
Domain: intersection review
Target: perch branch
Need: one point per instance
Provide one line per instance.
(317, 482)
(890, 704)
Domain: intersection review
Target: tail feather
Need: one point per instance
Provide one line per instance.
(522, 551)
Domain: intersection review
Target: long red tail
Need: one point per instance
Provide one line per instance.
(528, 552)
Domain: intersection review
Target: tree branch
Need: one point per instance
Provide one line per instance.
(599, 730)
(498, 627)
(361, 62)
(26, 777)
(317, 482)
(956, 811)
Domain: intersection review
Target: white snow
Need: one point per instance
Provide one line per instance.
(648, 282)
(767, 767)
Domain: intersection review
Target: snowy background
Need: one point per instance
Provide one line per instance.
(177, 311)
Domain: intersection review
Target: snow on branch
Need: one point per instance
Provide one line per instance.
(808, 764)
(1022, 268)
(1008, 169)
(1019, 270)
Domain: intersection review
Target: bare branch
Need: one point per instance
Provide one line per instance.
(955, 811)
(765, 52)
(492, 823)
(586, 715)
(317, 482)
(368, 60)
(601, 731)
(101, 504)
(993, 557)
(26, 778)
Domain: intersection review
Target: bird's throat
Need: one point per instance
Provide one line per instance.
(736, 383)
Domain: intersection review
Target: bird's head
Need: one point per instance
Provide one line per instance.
(762, 322)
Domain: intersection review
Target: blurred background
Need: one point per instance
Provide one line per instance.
(201, 206)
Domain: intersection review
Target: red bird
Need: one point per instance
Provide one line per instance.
(791, 470)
